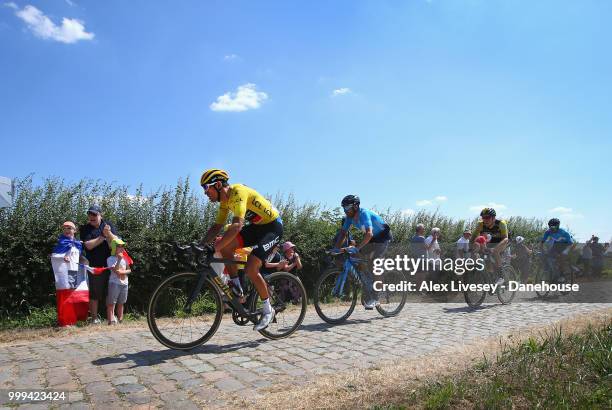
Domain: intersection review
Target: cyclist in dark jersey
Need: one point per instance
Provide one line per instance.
(498, 230)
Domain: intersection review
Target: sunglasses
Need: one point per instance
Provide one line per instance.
(207, 187)
(487, 217)
(347, 208)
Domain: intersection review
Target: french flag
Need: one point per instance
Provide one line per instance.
(71, 290)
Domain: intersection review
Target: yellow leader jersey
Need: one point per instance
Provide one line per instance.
(246, 203)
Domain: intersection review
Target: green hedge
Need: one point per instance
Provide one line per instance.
(29, 230)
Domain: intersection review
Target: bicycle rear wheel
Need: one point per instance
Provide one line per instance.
(391, 303)
(177, 324)
(335, 305)
(476, 297)
(289, 300)
(504, 295)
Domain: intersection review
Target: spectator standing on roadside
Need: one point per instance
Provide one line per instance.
(417, 242)
(586, 256)
(119, 262)
(463, 244)
(93, 234)
(432, 246)
(597, 250)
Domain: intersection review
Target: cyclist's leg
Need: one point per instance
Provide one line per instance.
(262, 239)
(252, 271)
(228, 253)
(375, 250)
(563, 261)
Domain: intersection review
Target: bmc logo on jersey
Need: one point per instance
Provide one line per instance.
(269, 245)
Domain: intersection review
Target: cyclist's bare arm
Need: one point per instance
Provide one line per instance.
(366, 238)
(212, 233)
(340, 239)
(501, 245)
(231, 233)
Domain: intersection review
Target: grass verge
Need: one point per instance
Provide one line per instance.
(516, 370)
(556, 370)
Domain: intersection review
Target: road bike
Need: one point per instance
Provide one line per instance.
(337, 290)
(543, 273)
(186, 309)
(489, 276)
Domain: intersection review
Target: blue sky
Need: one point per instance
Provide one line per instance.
(470, 102)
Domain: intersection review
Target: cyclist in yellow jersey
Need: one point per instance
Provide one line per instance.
(265, 230)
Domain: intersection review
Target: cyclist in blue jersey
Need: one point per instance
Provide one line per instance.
(559, 240)
(376, 238)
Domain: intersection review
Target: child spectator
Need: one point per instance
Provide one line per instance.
(72, 249)
(292, 257)
(119, 262)
(274, 262)
(292, 263)
(71, 289)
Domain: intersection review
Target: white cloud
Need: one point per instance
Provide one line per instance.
(70, 3)
(11, 5)
(245, 98)
(408, 212)
(425, 202)
(70, 31)
(565, 212)
(496, 206)
(231, 57)
(341, 91)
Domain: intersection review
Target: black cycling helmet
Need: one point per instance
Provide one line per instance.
(554, 222)
(350, 200)
(488, 212)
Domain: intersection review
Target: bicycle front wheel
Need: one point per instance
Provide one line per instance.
(542, 276)
(335, 296)
(180, 319)
(391, 302)
(475, 297)
(289, 300)
(505, 295)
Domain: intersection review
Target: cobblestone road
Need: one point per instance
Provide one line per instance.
(127, 367)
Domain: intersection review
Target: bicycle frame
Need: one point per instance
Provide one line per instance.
(207, 272)
(350, 266)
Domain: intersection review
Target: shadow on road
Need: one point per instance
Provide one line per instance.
(155, 357)
(467, 309)
(324, 326)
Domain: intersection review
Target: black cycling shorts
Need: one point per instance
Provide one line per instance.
(261, 238)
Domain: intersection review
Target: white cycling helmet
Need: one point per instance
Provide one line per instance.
(519, 239)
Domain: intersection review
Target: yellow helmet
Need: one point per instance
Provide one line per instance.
(210, 176)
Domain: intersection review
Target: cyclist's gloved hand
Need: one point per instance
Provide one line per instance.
(352, 250)
(209, 248)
